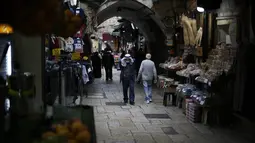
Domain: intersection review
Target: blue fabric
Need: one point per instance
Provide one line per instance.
(148, 90)
(129, 85)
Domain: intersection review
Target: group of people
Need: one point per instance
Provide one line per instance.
(139, 68)
(100, 60)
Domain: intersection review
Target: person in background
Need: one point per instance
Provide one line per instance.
(96, 64)
(139, 56)
(108, 63)
(148, 73)
(127, 77)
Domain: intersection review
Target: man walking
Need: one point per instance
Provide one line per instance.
(127, 77)
(148, 72)
(108, 63)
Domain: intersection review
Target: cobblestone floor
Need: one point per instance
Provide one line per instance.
(127, 124)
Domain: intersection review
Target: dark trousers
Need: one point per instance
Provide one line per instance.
(129, 84)
(108, 73)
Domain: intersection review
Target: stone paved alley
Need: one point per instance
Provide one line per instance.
(131, 124)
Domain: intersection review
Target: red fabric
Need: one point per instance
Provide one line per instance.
(82, 30)
(55, 43)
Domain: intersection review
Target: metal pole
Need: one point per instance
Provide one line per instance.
(63, 89)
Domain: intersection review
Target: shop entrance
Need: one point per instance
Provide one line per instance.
(143, 18)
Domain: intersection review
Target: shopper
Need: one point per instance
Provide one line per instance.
(139, 56)
(108, 63)
(148, 73)
(127, 77)
(96, 63)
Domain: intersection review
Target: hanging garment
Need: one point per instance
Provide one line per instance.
(85, 75)
(78, 47)
(199, 37)
(62, 43)
(55, 43)
(194, 26)
(69, 45)
(188, 31)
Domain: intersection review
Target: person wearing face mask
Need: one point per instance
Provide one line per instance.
(127, 77)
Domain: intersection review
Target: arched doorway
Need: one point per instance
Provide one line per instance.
(144, 18)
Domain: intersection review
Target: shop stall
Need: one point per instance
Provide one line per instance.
(67, 74)
(198, 69)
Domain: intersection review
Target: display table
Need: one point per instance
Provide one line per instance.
(29, 129)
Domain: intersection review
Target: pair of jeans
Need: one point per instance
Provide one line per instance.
(147, 85)
(108, 72)
(129, 84)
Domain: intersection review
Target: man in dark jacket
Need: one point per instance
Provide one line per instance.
(127, 77)
(108, 63)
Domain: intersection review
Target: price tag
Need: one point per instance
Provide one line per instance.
(56, 52)
(76, 56)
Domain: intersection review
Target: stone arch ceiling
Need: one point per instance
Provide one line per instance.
(134, 11)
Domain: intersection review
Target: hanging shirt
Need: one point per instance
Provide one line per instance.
(78, 45)
(80, 12)
(69, 45)
(62, 43)
(55, 43)
(85, 75)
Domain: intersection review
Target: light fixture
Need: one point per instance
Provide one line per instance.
(133, 27)
(124, 31)
(200, 9)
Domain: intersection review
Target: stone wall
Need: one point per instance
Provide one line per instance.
(227, 22)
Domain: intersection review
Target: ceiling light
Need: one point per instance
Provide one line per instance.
(200, 9)
(123, 31)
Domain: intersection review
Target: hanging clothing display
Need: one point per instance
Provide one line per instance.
(78, 45)
(69, 45)
(55, 42)
(85, 75)
(62, 43)
(189, 30)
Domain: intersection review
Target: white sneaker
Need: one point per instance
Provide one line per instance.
(150, 100)
(147, 101)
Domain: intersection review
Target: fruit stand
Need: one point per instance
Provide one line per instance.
(68, 125)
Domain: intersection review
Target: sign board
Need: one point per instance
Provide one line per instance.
(169, 42)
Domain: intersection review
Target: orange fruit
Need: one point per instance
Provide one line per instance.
(71, 141)
(63, 133)
(83, 137)
(77, 127)
(48, 134)
(61, 129)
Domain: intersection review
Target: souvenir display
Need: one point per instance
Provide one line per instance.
(200, 97)
(219, 60)
(174, 63)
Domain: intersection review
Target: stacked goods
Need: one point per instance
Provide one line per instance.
(39, 17)
(187, 101)
(70, 132)
(193, 113)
